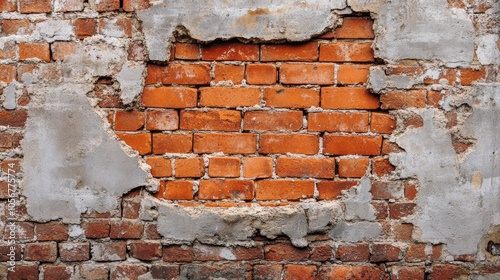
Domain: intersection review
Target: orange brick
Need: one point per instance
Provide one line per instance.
(338, 122)
(222, 120)
(449, 75)
(353, 74)
(229, 97)
(113, 26)
(303, 272)
(353, 167)
(7, 73)
(35, 6)
(34, 50)
(8, 6)
(382, 123)
(469, 75)
(352, 145)
(172, 143)
(129, 120)
(177, 190)
(296, 74)
(289, 143)
(230, 51)
(85, 27)
(355, 28)
(403, 99)
(135, 5)
(226, 189)
(226, 143)
(348, 98)
(346, 52)
(162, 120)
(290, 52)
(224, 167)
(187, 51)
(181, 74)
(169, 97)
(332, 189)
(305, 167)
(261, 74)
(60, 50)
(272, 120)
(189, 167)
(434, 97)
(105, 5)
(258, 167)
(160, 167)
(15, 26)
(229, 73)
(291, 97)
(43, 71)
(284, 190)
(382, 167)
(141, 142)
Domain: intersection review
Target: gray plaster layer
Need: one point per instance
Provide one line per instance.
(71, 164)
(238, 225)
(9, 102)
(295, 20)
(357, 203)
(459, 198)
(487, 49)
(55, 30)
(356, 232)
(131, 81)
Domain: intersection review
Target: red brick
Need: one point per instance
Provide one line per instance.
(387, 190)
(93, 271)
(322, 253)
(126, 229)
(160, 166)
(85, 27)
(284, 189)
(5, 140)
(418, 253)
(35, 6)
(296, 74)
(172, 143)
(177, 254)
(187, 51)
(181, 74)
(115, 27)
(402, 232)
(353, 253)
(221, 120)
(352, 145)
(74, 252)
(267, 272)
(226, 189)
(130, 209)
(162, 120)
(176, 190)
(129, 120)
(230, 51)
(272, 120)
(257, 167)
(304, 272)
(6, 254)
(291, 97)
(15, 26)
(355, 28)
(46, 72)
(285, 252)
(289, 143)
(382, 123)
(305, 167)
(151, 232)
(351, 272)
(169, 271)
(125, 271)
(410, 191)
(226, 143)
(189, 167)
(229, 97)
(338, 122)
(42, 252)
(169, 97)
(385, 253)
(23, 230)
(382, 167)
(141, 142)
(290, 52)
(105, 5)
(53, 231)
(8, 50)
(8, 6)
(216, 253)
(408, 273)
(135, 5)
(61, 50)
(23, 272)
(448, 272)
(57, 272)
(145, 251)
(97, 229)
(224, 167)
(229, 73)
(136, 51)
(332, 189)
(403, 99)
(261, 74)
(346, 52)
(469, 75)
(7, 74)
(348, 98)
(352, 74)
(400, 210)
(353, 167)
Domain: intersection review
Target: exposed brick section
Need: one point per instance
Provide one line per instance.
(306, 272)
(16, 118)
(332, 189)
(177, 254)
(348, 98)
(352, 144)
(350, 272)
(403, 100)
(226, 189)
(353, 167)
(176, 190)
(52, 231)
(169, 97)
(8, 6)
(226, 143)
(141, 142)
(28, 272)
(384, 253)
(353, 253)
(284, 189)
(60, 50)
(291, 97)
(74, 252)
(219, 120)
(58, 272)
(229, 73)
(289, 143)
(230, 51)
(14, 26)
(270, 120)
(338, 122)
(38, 51)
(261, 74)
(266, 272)
(346, 52)
(355, 28)
(187, 51)
(85, 27)
(42, 252)
(286, 252)
(129, 120)
(35, 6)
(351, 74)
(224, 167)
(160, 167)
(146, 251)
(290, 52)
(181, 74)
(305, 167)
(105, 5)
(162, 120)
(258, 167)
(172, 143)
(189, 167)
(97, 229)
(296, 74)
(229, 97)
(126, 230)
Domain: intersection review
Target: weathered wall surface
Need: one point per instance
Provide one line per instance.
(238, 139)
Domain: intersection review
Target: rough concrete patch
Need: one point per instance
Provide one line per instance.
(356, 232)
(131, 81)
(487, 49)
(238, 225)
(71, 164)
(55, 30)
(295, 20)
(9, 102)
(378, 80)
(454, 193)
(357, 203)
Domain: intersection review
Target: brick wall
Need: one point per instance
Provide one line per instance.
(229, 124)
